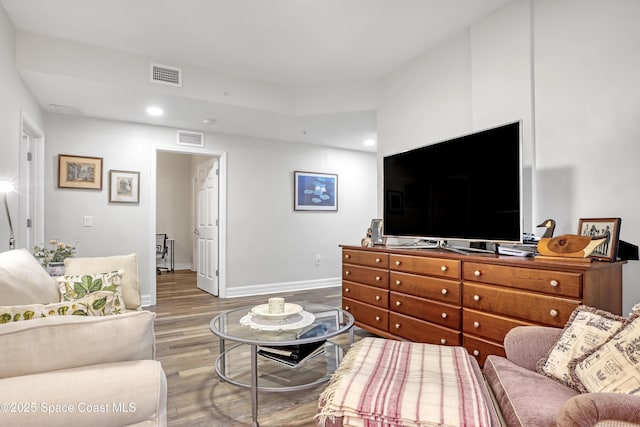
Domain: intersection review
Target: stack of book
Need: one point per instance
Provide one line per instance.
(292, 355)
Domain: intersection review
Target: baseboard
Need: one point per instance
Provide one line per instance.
(272, 288)
(145, 300)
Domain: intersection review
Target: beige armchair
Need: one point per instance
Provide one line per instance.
(69, 370)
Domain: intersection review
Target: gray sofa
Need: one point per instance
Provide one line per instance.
(75, 370)
(526, 398)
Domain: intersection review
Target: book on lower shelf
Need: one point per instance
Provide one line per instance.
(292, 355)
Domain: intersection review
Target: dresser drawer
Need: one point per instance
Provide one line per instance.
(543, 309)
(420, 331)
(431, 311)
(443, 290)
(372, 259)
(489, 326)
(365, 313)
(366, 275)
(440, 267)
(371, 295)
(548, 281)
(480, 348)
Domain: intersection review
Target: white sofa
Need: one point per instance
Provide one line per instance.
(69, 370)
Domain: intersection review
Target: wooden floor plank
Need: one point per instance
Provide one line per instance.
(187, 350)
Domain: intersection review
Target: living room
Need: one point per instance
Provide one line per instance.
(566, 68)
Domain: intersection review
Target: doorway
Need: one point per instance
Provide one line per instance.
(30, 230)
(206, 215)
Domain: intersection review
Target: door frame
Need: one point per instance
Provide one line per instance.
(222, 214)
(29, 127)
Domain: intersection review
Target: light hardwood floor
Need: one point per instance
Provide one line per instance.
(187, 350)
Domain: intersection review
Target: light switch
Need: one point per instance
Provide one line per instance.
(88, 221)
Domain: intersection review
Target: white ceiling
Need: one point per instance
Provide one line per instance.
(294, 44)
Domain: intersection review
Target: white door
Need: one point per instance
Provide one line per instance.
(28, 189)
(207, 226)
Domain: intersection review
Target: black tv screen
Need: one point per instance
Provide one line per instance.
(465, 188)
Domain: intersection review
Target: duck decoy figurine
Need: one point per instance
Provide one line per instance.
(569, 245)
(550, 226)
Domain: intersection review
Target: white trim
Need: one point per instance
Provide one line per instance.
(145, 300)
(271, 288)
(28, 126)
(222, 206)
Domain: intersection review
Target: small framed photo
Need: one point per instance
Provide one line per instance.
(79, 172)
(315, 191)
(124, 186)
(606, 227)
(376, 232)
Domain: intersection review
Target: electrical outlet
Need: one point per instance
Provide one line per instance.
(318, 259)
(88, 221)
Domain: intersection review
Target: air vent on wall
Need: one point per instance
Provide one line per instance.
(64, 109)
(193, 139)
(166, 75)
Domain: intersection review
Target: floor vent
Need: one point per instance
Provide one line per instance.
(166, 75)
(193, 139)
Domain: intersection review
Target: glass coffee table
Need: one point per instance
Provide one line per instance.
(241, 365)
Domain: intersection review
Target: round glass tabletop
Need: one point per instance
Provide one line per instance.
(324, 322)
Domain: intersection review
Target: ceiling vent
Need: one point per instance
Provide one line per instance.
(64, 109)
(192, 139)
(166, 75)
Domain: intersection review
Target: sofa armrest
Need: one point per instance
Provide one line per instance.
(589, 409)
(525, 345)
(63, 342)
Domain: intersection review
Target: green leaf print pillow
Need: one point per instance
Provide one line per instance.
(99, 303)
(78, 286)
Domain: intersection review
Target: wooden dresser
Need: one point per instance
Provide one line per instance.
(441, 297)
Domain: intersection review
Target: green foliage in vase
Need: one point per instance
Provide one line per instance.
(57, 252)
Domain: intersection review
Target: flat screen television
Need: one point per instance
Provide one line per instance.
(466, 188)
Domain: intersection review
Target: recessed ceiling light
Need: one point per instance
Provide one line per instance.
(155, 111)
(369, 142)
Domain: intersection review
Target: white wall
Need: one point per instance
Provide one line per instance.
(572, 78)
(15, 101)
(174, 201)
(269, 247)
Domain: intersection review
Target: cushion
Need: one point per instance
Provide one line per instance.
(524, 397)
(62, 342)
(614, 367)
(24, 281)
(95, 304)
(73, 288)
(585, 330)
(128, 263)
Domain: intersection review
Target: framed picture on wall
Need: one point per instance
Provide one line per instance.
(124, 186)
(315, 191)
(79, 172)
(607, 227)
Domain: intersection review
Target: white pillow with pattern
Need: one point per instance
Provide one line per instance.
(95, 304)
(73, 287)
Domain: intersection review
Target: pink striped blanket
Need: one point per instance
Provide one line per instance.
(385, 383)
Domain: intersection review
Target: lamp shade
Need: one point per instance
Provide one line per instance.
(6, 187)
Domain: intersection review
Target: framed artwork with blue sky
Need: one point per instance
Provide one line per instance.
(315, 191)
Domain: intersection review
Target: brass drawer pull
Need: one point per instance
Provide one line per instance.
(346, 273)
(444, 315)
(443, 341)
(476, 324)
(443, 268)
(554, 283)
(444, 291)
(378, 297)
(347, 256)
(398, 303)
(476, 353)
(378, 278)
(346, 307)
(398, 282)
(476, 298)
(477, 273)
(398, 263)
(378, 260)
(397, 325)
(377, 318)
(347, 290)
(553, 313)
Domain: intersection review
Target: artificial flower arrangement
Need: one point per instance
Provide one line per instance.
(58, 252)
